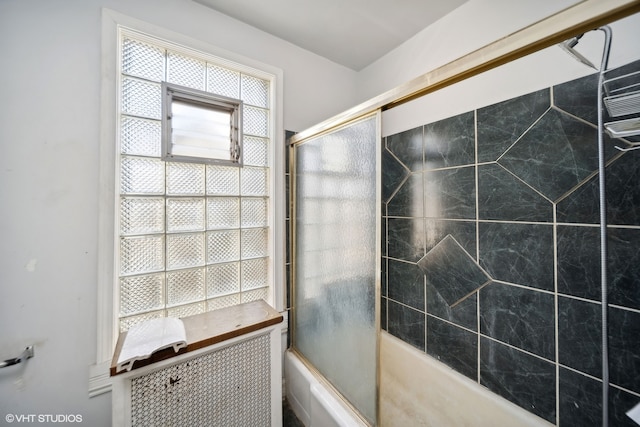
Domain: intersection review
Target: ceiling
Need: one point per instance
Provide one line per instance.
(353, 33)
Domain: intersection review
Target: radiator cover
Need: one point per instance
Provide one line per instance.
(237, 383)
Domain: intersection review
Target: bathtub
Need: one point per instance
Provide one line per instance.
(415, 390)
(315, 404)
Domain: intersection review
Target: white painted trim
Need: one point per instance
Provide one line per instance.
(99, 379)
(112, 24)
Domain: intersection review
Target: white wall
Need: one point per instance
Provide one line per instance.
(49, 169)
(471, 26)
(540, 70)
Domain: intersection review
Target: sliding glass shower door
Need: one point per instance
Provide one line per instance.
(336, 258)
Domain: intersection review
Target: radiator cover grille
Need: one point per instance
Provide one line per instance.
(227, 387)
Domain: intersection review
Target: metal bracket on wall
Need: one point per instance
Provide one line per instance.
(26, 354)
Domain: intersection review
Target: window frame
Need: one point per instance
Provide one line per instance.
(172, 92)
(113, 25)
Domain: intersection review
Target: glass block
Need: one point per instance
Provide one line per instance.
(143, 254)
(254, 295)
(223, 212)
(223, 279)
(185, 214)
(185, 178)
(140, 98)
(127, 322)
(254, 91)
(185, 286)
(223, 180)
(187, 310)
(255, 151)
(254, 243)
(141, 294)
(223, 246)
(254, 181)
(255, 274)
(185, 250)
(140, 136)
(141, 215)
(222, 81)
(140, 175)
(255, 121)
(185, 71)
(254, 212)
(222, 302)
(142, 60)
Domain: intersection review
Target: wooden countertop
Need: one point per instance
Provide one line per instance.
(211, 328)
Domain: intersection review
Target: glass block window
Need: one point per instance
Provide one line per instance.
(193, 236)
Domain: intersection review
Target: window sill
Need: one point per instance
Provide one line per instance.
(202, 330)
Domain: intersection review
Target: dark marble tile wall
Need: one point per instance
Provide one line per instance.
(491, 252)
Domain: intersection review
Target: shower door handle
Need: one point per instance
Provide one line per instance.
(26, 354)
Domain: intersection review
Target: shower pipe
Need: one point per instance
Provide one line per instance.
(569, 46)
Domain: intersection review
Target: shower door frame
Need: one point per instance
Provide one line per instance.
(568, 23)
(377, 115)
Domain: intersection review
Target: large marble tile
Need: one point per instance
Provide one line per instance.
(451, 271)
(463, 231)
(579, 264)
(502, 196)
(501, 124)
(518, 253)
(406, 238)
(555, 155)
(383, 313)
(578, 97)
(623, 190)
(393, 175)
(383, 231)
(450, 142)
(622, 195)
(578, 251)
(407, 146)
(582, 205)
(453, 346)
(406, 284)
(407, 324)
(619, 403)
(383, 276)
(624, 267)
(465, 313)
(580, 335)
(525, 380)
(408, 200)
(521, 317)
(624, 348)
(450, 193)
(580, 402)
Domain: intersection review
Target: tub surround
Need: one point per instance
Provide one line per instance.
(491, 251)
(421, 392)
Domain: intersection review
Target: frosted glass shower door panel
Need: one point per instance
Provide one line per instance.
(335, 262)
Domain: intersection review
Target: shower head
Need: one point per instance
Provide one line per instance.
(569, 47)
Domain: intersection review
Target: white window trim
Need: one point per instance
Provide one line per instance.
(112, 23)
